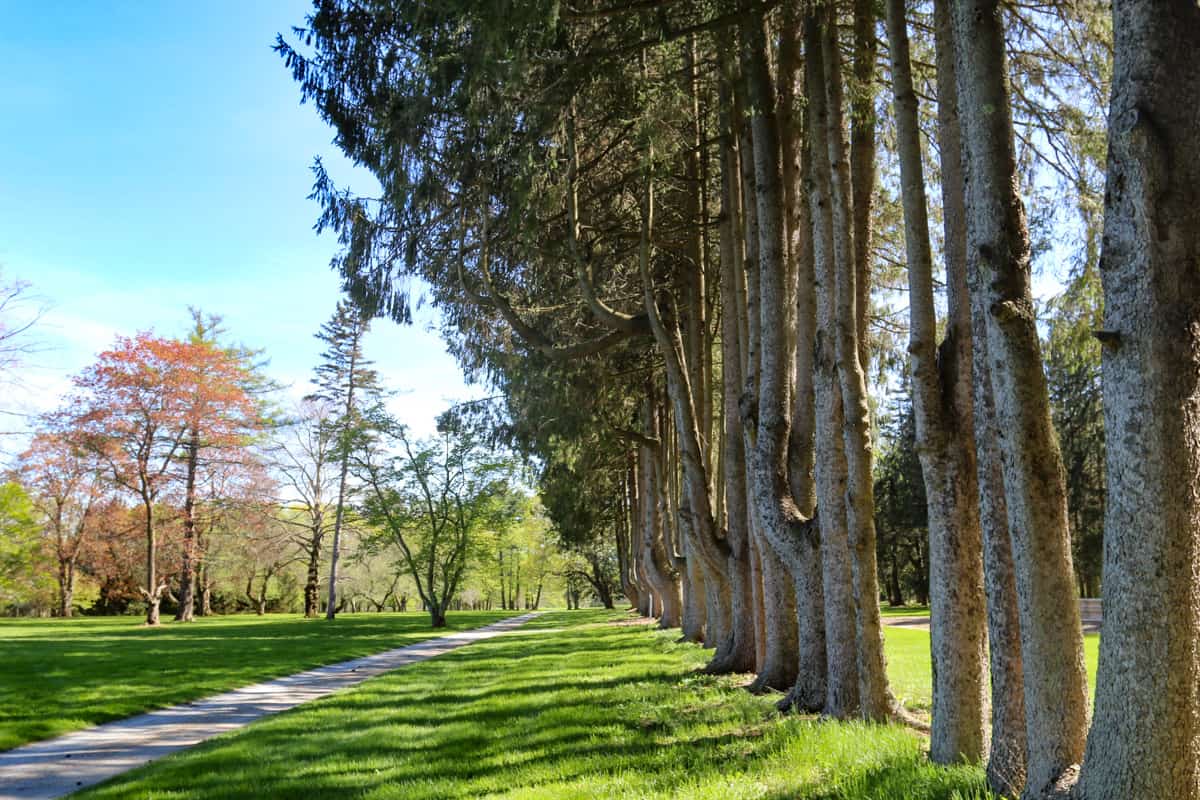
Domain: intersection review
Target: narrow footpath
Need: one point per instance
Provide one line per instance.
(57, 767)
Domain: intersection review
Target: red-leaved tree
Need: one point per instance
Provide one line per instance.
(130, 412)
(67, 485)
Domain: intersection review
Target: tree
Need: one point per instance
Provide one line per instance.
(264, 551)
(24, 581)
(66, 486)
(1146, 730)
(16, 322)
(1056, 707)
(435, 499)
(130, 413)
(944, 416)
(306, 458)
(221, 414)
(347, 383)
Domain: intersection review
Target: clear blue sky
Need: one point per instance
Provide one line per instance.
(155, 155)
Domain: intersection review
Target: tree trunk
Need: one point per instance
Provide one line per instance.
(656, 560)
(312, 585)
(895, 595)
(1145, 738)
(1056, 707)
(780, 662)
(204, 591)
(646, 604)
(187, 573)
(66, 587)
(1006, 759)
(810, 690)
(941, 399)
(153, 595)
(335, 549)
(842, 684)
(862, 164)
(874, 697)
(785, 543)
(691, 624)
(625, 571)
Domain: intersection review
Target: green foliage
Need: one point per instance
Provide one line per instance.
(1073, 378)
(901, 517)
(344, 379)
(26, 569)
(435, 500)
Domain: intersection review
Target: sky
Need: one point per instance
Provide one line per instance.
(155, 157)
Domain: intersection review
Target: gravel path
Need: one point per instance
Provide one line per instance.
(920, 621)
(57, 767)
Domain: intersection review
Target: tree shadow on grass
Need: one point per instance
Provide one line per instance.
(597, 712)
(61, 676)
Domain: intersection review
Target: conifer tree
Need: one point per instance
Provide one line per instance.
(346, 381)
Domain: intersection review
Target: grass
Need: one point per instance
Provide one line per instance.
(572, 707)
(58, 676)
(903, 611)
(911, 673)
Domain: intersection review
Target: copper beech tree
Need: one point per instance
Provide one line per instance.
(68, 487)
(156, 413)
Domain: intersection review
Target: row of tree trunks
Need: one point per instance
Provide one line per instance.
(775, 532)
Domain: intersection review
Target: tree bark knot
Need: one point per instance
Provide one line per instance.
(1006, 311)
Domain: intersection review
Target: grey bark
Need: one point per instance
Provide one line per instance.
(737, 654)
(1056, 708)
(789, 547)
(842, 689)
(1006, 755)
(187, 560)
(657, 563)
(862, 163)
(695, 598)
(874, 696)
(942, 405)
(1145, 738)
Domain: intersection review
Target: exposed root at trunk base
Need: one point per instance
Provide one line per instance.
(766, 682)
(907, 718)
(1063, 787)
(795, 702)
(721, 664)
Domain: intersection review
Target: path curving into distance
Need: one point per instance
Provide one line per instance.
(66, 764)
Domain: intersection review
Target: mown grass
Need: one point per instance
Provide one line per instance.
(572, 707)
(903, 611)
(910, 668)
(58, 676)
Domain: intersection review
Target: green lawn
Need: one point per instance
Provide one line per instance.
(903, 611)
(572, 707)
(911, 673)
(61, 675)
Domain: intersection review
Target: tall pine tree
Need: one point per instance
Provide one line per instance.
(345, 380)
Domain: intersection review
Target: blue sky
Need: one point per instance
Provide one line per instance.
(156, 156)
